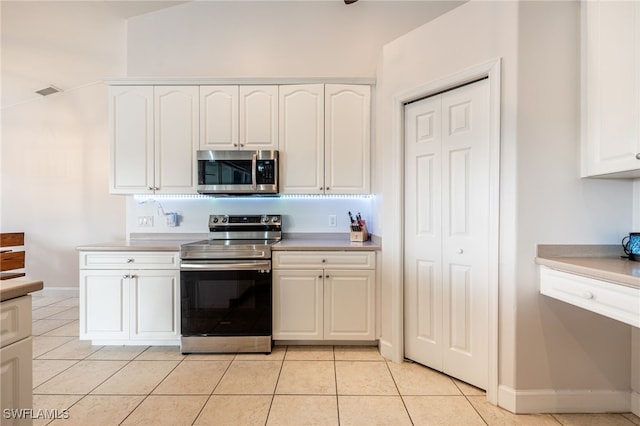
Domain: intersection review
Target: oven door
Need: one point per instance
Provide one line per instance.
(225, 298)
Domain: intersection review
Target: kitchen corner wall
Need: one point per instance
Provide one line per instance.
(300, 214)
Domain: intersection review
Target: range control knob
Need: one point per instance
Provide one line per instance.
(215, 220)
(274, 219)
(225, 219)
(265, 219)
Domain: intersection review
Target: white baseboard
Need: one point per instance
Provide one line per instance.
(386, 349)
(58, 292)
(635, 403)
(565, 401)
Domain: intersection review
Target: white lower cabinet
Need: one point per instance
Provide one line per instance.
(16, 355)
(312, 302)
(130, 306)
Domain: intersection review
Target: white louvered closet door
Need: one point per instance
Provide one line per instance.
(447, 232)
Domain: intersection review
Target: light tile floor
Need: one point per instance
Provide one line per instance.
(294, 385)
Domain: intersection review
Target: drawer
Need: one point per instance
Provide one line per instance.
(129, 260)
(324, 259)
(15, 320)
(615, 301)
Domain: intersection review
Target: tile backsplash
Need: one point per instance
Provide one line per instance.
(175, 214)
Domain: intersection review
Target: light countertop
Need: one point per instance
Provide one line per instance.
(603, 262)
(288, 242)
(17, 287)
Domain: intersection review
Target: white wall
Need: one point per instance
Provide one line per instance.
(544, 346)
(271, 39)
(53, 168)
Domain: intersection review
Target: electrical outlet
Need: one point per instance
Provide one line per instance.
(145, 221)
(333, 220)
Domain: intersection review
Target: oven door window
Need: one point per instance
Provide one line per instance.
(225, 172)
(225, 303)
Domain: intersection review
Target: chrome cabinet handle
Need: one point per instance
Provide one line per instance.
(638, 156)
(130, 260)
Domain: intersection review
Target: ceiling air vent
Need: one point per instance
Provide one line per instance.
(48, 91)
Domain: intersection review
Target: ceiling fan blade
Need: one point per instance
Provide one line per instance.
(349, 1)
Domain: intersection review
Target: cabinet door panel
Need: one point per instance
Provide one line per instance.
(347, 138)
(301, 139)
(154, 296)
(16, 378)
(176, 138)
(258, 117)
(297, 305)
(131, 144)
(219, 117)
(104, 304)
(349, 305)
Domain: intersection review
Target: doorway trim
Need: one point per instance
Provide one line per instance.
(490, 69)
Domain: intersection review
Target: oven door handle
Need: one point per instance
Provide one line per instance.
(227, 265)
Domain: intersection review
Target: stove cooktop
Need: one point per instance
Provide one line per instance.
(236, 237)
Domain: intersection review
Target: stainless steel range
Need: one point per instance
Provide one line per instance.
(225, 285)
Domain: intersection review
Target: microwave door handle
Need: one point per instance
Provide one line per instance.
(254, 166)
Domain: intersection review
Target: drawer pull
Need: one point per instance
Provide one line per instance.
(130, 260)
(586, 295)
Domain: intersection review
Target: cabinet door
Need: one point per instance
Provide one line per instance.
(155, 304)
(611, 88)
(301, 134)
(349, 305)
(104, 304)
(176, 138)
(297, 305)
(258, 117)
(16, 379)
(131, 139)
(347, 139)
(219, 117)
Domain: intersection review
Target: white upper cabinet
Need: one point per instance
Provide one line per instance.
(131, 139)
(176, 138)
(219, 117)
(611, 89)
(238, 117)
(347, 122)
(302, 139)
(154, 132)
(258, 117)
(325, 139)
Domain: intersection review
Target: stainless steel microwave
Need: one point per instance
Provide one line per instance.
(237, 172)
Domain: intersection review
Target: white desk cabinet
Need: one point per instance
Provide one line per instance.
(130, 297)
(324, 295)
(615, 301)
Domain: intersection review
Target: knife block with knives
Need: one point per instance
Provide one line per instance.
(358, 231)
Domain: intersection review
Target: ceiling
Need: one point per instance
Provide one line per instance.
(128, 9)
